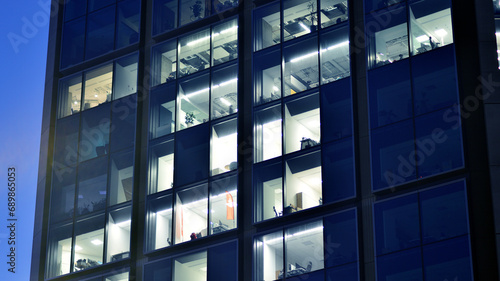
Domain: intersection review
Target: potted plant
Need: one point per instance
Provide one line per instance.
(312, 8)
(189, 118)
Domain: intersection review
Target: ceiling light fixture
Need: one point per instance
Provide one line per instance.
(96, 242)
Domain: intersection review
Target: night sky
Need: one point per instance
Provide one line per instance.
(23, 45)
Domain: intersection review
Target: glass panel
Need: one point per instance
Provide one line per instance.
(74, 9)
(98, 4)
(62, 199)
(129, 20)
(194, 52)
(341, 239)
(336, 110)
(159, 223)
(268, 188)
(161, 167)
(393, 160)
(340, 181)
(303, 185)
(125, 80)
(222, 5)
(59, 251)
(267, 133)
(192, 159)
(406, 265)
(89, 243)
(66, 137)
(94, 135)
(98, 83)
(70, 96)
(100, 32)
(118, 277)
(267, 76)
(164, 62)
(388, 43)
(443, 212)
(224, 91)
(300, 18)
(345, 273)
(301, 66)
(450, 259)
(160, 270)
(191, 267)
(73, 40)
(193, 101)
(225, 41)
(92, 181)
(266, 26)
(193, 10)
(335, 58)
(302, 123)
(390, 94)
(439, 142)
(223, 262)
(304, 249)
(118, 244)
(121, 177)
(123, 115)
(430, 25)
(397, 224)
(191, 213)
(162, 111)
(333, 12)
(164, 15)
(268, 255)
(223, 209)
(223, 155)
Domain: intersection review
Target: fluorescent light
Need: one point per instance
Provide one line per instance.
(440, 32)
(304, 27)
(96, 242)
(303, 57)
(224, 101)
(338, 45)
(320, 228)
(275, 89)
(78, 248)
(422, 38)
(162, 212)
(194, 42)
(225, 83)
(198, 92)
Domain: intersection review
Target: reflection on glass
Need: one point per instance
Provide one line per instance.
(73, 40)
(128, 23)
(334, 55)
(225, 41)
(223, 209)
(300, 18)
(164, 62)
(194, 52)
(164, 15)
(94, 135)
(118, 277)
(301, 67)
(267, 26)
(303, 183)
(268, 187)
(224, 92)
(224, 150)
(98, 83)
(191, 267)
(125, 77)
(159, 223)
(269, 256)
(193, 10)
(66, 136)
(304, 249)
(222, 5)
(191, 213)
(121, 177)
(92, 181)
(193, 102)
(404, 265)
(430, 25)
(100, 32)
(70, 96)
(118, 244)
(267, 77)
(302, 123)
(62, 200)
(59, 251)
(162, 111)
(89, 243)
(333, 12)
(161, 167)
(267, 134)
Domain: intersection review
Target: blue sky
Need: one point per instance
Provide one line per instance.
(23, 45)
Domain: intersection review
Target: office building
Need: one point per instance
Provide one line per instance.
(198, 140)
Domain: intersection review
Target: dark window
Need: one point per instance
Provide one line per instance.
(66, 138)
(164, 15)
(160, 270)
(223, 262)
(94, 133)
(123, 115)
(405, 265)
(121, 177)
(100, 32)
(193, 10)
(74, 9)
(371, 5)
(343, 273)
(450, 259)
(341, 243)
(162, 111)
(73, 42)
(191, 161)
(92, 182)
(98, 4)
(222, 5)
(339, 180)
(62, 200)
(336, 113)
(128, 23)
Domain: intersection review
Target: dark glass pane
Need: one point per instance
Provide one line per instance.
(443, 212)
(193, 10)
(73, 41)
(121, 177)
(94, 134)
(448, 260)
(66, 137)
(343, 273)
(191, 161)
(318, 275)
(397, 224)
(267, 76)
(129, 19)
(336, 110)
(268, 189)
(158, 271)
(59, 251)
(74, 9)
(164, 15)
(390, 94)
(341, 239)
(393, 155)
(62, 199)
(223, 262)
(100, 32)
(439, 142)
(222, 5)
(434, 80)
(123, 115)
(98, 4)
(406, 265)
(339, 182)
(371, 5)
(162, 111)
(92, 182)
